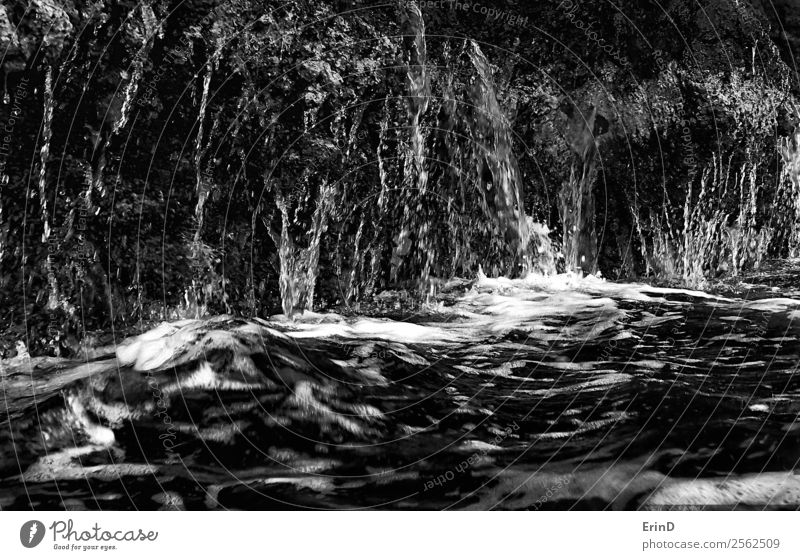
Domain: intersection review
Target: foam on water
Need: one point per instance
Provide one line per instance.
(588, 372)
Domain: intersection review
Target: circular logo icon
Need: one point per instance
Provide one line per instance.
(31, 533)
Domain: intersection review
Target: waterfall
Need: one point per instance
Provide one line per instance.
(719, 228)
(298, 264)
(497, 169)
(461, 204)
(576, 197)
(102, 138)
(418, 87)
(448, 194)
(379, 211)
(415, 171)
(44, 155)
(540, 251)
(350, 285)
(444, 197)
(788, 196)
(202, 187)
(193, 296)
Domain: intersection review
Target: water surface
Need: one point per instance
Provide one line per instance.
(549, 392)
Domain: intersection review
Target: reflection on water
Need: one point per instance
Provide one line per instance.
(542, 393)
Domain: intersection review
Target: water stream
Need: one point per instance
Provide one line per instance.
(542, 392)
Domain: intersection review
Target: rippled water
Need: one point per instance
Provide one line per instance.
(543, 393)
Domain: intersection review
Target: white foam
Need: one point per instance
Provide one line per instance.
(777, 489)
(382, 329)
(772, 304)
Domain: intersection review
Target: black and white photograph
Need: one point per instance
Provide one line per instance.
(419, 256)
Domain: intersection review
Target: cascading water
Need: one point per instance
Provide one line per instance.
(461, 203)
(202, 187)
(299, 254)
(497, 169)
(788, 197)
(418, 99)
(555, 392)
(722, 227)
(448, 197)
(365, 271)
(44, 155)
(576, 197)
(415, 179)
(540, 253)
(203, 282)
(101, 138)
(448, 193)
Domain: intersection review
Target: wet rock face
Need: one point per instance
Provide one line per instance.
(14, 59)
(583, 128)
(784, 21)
(39, 30)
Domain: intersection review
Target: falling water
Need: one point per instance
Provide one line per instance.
(415, 172)
(726, 224)
(44, 155)
(461, 203)
(447, 199)
(448, 195)
(576, 197)
(540, 253)
(193, 295)
(788, 197)
(298, 263)
(497, 169)
(365, 272)
(102, 139)
(202, 187)
(417, 83)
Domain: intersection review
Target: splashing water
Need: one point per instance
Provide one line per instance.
(447, 195)
(44, 156)
(576, 197)
(544, 392)
(497, 169)
(539, 251)
(415, 173)
(299, 264)
(788, 197)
